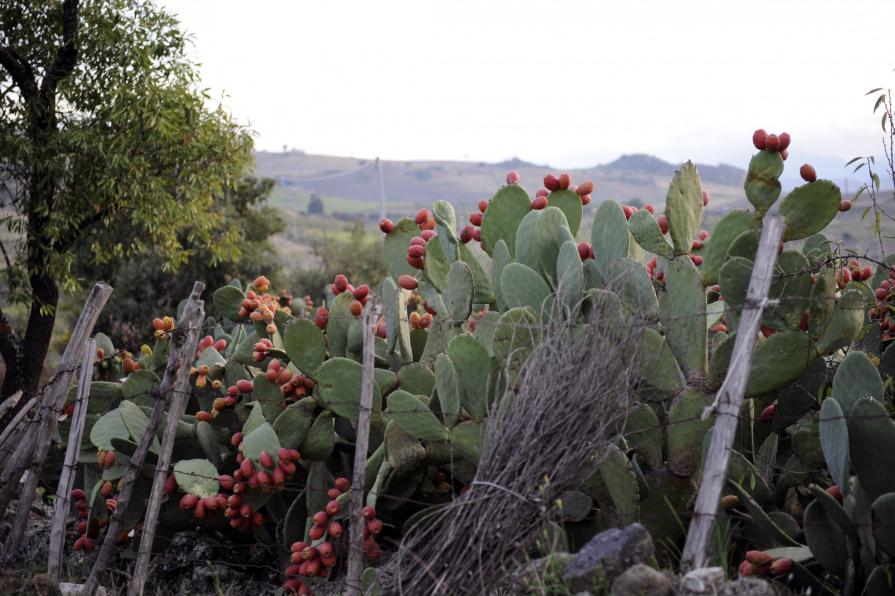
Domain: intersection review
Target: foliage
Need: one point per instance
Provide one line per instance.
(315, 204)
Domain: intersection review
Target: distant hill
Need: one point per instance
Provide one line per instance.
(630, 178)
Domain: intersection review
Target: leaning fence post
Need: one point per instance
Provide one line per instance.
(179, 398)
(365, 412)
(181, 354)
(67, 477)
(56, 391)
(729, 399)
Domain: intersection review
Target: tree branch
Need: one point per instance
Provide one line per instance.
(67, 54)
(20, 70)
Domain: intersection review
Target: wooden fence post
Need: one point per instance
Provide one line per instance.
(179, 398)
(365, 412)
(729, 399)
(67, 477)
(181, 354)
(55, 393)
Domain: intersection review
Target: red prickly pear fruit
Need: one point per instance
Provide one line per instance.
(236, 439)
(769, 412)
(244, 386)
(158, 324)
(760, 138)
(204, 416)
(283, 454)
(705, 198)
(79, 543)
(772, 143)
(321, 317)
(427, 234)
(246, 468)
(325, 550)
(542, 192)
(188, 501)
(416, 251)
(283, 376)
(696, 245)
(386, 225)
(585, 188)
(697, 260)
(245, 511)
(835, 492)
(428, 225)
(628, 211)
(475, 219)
(513, 177)
(369, 513)
(866, 273)
(551, 182)
(808, 173)
(719, 328)
(263, 478)
(803, 322)
(107, 488)
(703, 235)
(361, 292)
(334, 529)
(662, 220)
(234, 501)
(309, 553)
(294, 455)
(111, 504)
(293, 570)
(356, 308)
(78, 494)
(539, 203)
(265, 460)
(483, 205)
(477, 235)
(416, 263)
(316, 532)
(333, 493)
(374, 526)
(82, 527)
(297, 547)
(211, 503)
(844, 206)
(320, 518)
(784, 154)
(109, 459)
(784, 140)
(171, 485)
(421, 216)
(418, 241)
(342, 483)
(564, 181)
(333, 508)
(585, 251)
(408, 282)
(745, 569)
(340, 282)
(758, 557)
(781, 566)
(585, 199)
(257, 518)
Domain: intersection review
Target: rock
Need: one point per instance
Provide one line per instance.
(705, 581)
(607, 556)
(641, 580)
(748, 586)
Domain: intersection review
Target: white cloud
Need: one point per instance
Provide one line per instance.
(567, 83)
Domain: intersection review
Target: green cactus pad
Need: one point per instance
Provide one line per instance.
(339, 383)
(293, 424)
(394, 307)
(500, 258)
(821, 301)
(631, 283)
(552, 231)
(745, 245)
(871, 435)
(817, 247)
(646, 232)
(320, 440)
(728, 229)
(686, 430)
(459, 292)
(416, 379)
(791, 286)
(415, 418)
(826, 539)
(834, 441)
(319, 481)
(394, 248)
(658, 367)
(527, 240)
(522, 286)
(593, 279)
(856, 377)
(102, 395)
(437, 265)
(845, 323)
(483, 291)
(809, 208)
(107, 427)
(720, 361)
(268, 395)
(448, 387)
(446, 220)
(683, 207)
(254, 419)
(466, 439)
(514, 337)
(404, 453)
(227, 301)
(136, 423)
(569, 203)
(778, 361)
(615, 484)
(682, 312)
(197, 477)
(760, 517)
(570, 275)
(340, 319)
(643, 432)
(883, 512)
(762, 180)
(504, 214)
(261, 439)
(609, 235)
(140, 387)
(473, 365)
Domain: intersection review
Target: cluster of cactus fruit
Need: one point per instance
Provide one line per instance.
(455, 322)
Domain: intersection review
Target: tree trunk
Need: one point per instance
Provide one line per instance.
(39, 332)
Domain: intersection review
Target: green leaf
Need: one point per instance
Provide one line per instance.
(197, 477)
(683, 207)
(261, 439)
(505, 212)
(305, 345)
(293, 424)
(448, 386)
(609, 235)
(228, 300)
(415, 418)
(762, 180)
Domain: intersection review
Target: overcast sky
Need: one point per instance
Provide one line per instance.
(567, 83)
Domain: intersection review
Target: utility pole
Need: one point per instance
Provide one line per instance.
(381, 189)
